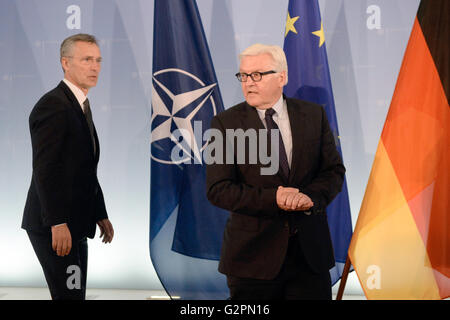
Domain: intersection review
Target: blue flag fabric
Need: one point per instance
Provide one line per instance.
(309, 79)
(185, 229)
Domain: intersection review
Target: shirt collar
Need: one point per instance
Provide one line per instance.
(78, 93)
(279, 107)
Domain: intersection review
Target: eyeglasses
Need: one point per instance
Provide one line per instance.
(256, 76)
(88, 60)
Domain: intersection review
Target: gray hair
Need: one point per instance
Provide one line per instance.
(67, 44)
(276, 52)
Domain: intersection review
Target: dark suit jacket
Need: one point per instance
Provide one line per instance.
(256, 235)
(64, 186)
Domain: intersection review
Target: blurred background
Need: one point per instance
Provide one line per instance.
(365, 43)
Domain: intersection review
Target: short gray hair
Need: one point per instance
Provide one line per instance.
(276, 52)
(67, 44)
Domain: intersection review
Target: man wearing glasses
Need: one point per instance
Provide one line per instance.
(65, 201)
(276, 243)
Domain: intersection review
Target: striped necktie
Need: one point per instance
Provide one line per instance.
(271, 124)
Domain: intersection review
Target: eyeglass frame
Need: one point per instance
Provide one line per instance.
(239, 74)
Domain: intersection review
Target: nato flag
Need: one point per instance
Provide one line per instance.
(185, 229)
(309, 79)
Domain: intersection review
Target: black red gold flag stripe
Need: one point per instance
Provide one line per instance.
(401, 244)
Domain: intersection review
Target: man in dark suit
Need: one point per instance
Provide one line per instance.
(276, 243)
(65, 201)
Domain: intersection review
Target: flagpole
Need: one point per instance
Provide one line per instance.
(343, 278)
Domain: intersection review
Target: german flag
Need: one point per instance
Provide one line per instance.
(401, 244)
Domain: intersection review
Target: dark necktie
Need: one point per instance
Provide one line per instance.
(88, 115)
(271, 124)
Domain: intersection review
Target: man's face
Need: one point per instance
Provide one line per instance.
(82, 66)
(261, 94)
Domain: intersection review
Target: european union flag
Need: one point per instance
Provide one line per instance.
(185, 229)
(309, 79)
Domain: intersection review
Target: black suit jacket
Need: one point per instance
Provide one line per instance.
(257, 232)
(64, 186)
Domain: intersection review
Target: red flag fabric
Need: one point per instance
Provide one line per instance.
(401, 244)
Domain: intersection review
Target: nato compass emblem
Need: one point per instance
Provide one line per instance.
(182, 106)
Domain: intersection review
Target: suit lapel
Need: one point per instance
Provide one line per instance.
(97, 144)
(79, 112)
(251, 120)
(297, 121)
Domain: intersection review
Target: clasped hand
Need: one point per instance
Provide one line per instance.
(291, 199)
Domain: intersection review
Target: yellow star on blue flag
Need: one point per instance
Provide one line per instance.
(320, 34)
(290, 24)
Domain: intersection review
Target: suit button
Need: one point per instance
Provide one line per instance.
(286, 225)
(308, 213)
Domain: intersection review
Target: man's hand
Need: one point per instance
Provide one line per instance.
(291, 199)
(106, 230)
(61, 240)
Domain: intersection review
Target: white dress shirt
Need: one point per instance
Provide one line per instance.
(79, 94)
(281, 118)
